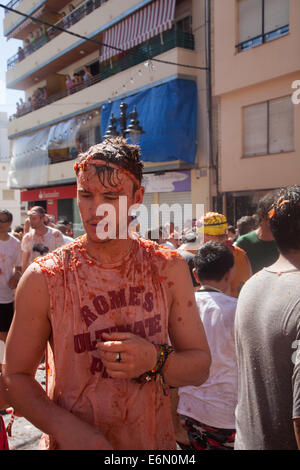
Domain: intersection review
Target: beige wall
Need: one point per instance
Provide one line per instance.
(270, 171)
(262, 63)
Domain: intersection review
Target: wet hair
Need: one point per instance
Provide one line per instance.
(213, 260)
(265, 204)
(118, 152)
(246, 224)
(284, 219)
(7, 213)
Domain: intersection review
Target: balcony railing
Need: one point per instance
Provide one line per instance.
(12, 4)
(155, 46)
(263, 38)
(66, 22)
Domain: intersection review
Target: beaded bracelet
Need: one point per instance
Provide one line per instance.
(163, 351)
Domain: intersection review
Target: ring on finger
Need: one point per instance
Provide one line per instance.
(118, 357)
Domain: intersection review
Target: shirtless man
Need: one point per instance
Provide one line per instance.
(103, 305)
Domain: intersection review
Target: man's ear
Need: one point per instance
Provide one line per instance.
(196, 276)
(139, 195)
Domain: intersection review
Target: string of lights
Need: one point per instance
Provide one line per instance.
(99, 43)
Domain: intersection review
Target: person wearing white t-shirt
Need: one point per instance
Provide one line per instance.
(10, 273)
(208, 412)
(41, 239)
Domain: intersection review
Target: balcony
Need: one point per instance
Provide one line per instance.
(157, 45)
(52, 32)
(11, 4)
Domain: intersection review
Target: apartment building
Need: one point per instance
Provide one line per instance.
(152, 54)
(256, 62)
(9, 198)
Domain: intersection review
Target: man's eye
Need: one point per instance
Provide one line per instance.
(85, 195)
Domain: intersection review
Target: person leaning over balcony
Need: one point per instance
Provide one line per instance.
(31, 38)
(21, 54)
(108, 304)
(87, 77)
(69, 84)
(43, 35)
(27, 47)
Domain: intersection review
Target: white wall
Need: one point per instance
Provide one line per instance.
(9, 199)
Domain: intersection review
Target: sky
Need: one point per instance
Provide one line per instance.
(8, 98)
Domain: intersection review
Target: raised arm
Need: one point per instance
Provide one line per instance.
(25, 347)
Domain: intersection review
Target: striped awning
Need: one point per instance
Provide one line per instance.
(27, 22)
(138, 27)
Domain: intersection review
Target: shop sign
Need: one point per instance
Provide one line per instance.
(171, 181)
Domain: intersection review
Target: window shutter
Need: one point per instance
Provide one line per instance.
(277, 13)
(177, 199)
(281, 129)
(250, 19)
(255, 129)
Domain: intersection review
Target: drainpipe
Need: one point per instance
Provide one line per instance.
(208, 81)
(213, 165)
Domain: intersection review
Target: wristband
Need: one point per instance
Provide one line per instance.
(163, 351)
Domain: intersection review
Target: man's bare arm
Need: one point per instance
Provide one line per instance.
(190, 363)
(25, 260)
(25, 347)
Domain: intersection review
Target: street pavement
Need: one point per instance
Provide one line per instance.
(25, 436)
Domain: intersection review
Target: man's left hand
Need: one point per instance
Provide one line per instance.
(136, 354)
(13, 282)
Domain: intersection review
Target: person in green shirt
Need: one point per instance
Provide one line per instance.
(259, 244)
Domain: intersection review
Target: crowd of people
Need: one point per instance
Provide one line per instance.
(80, 80)
(170, 341)
(41, 35)
(39, 98)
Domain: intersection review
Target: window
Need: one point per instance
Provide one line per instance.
(261, 21)
(268, 127)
